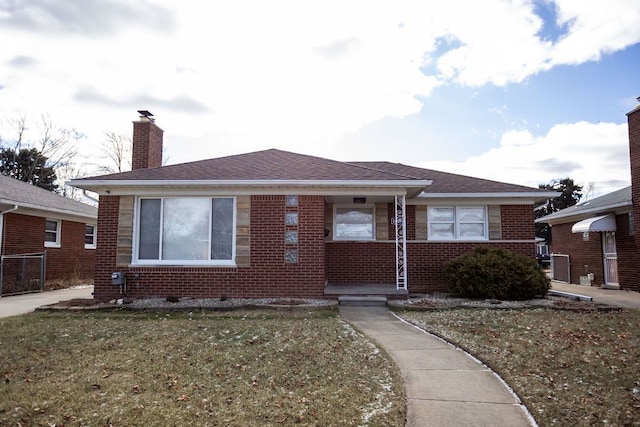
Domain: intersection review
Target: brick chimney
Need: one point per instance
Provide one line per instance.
(633, 119)
(147, 142)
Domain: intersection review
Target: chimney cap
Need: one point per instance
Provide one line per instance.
(146, 114)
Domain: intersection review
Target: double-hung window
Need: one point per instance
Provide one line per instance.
(457, 223)
(89, 236)
(186, 230)
(354, 223)
(52, 233)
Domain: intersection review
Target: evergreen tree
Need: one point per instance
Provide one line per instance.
(28, 165)
(570, 194)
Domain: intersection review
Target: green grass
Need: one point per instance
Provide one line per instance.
(569, 368)
(236, 368)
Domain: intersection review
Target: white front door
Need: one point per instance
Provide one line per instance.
(610, 257)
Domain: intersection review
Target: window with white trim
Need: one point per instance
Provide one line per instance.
(187, 230)
(457, 223)
(89, 236)
(354, 223)
(52, 233)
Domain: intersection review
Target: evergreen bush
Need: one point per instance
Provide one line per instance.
(495, 273)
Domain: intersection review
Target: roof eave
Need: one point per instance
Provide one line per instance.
(534, 195)
(559, 217)
(45, 209)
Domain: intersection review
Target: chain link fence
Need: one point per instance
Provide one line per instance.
(22, 273)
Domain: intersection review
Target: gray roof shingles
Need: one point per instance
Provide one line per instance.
(602, 203)
(282, 165)
(13, 191)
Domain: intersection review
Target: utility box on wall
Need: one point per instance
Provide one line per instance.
(117, 278)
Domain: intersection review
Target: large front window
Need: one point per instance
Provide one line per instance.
(457, 223)
(354, 223)
(192, 230)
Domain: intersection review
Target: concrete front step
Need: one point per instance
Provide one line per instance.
(362, 300)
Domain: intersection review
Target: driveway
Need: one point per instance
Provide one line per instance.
(21, 304)
(626, 299)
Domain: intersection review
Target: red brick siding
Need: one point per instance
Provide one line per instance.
(626, 247)
(268, 276)
(25, 234)
(517, 222)
(147, 145)
(580, 253)
(634, 155)
(374, 262)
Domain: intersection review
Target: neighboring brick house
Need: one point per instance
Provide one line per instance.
(34, 220)
(596, 242)
(279, 224)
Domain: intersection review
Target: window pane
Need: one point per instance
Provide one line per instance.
(352, 222)
(51, 226)
(149, 238)
(441, 231)
(185, 229)
(471, 230)
(291, 200)
(222, 229)
(89, 235)
(471, 214)
(442, 214)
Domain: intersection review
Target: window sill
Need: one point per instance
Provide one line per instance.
(52, 245)
(178, 264)
(89, 246)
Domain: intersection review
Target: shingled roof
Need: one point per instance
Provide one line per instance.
(14, 192)
(276, 165)
(620, 199)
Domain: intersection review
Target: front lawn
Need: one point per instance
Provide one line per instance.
(239, 368)
(569, 368)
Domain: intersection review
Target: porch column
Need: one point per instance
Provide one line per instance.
(401, 244)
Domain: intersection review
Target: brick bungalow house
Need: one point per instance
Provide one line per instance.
(279, 224)
(596, 243)
(34, 220)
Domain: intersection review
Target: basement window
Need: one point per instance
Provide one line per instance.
(186, 230)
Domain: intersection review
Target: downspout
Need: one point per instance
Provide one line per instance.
(14, 208)
(93, 199)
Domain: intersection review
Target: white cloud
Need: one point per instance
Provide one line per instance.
(586, 152)
(248, 75)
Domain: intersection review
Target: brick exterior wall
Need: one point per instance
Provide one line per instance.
(633, 119)
(267, 276)
(147, 145)
(589, 253)
(374, 262)
(580, 252)
(25, 234)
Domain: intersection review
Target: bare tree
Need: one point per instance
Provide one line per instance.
(117, 149)
(57, 144)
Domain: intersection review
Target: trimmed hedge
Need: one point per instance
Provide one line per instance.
(495, 273)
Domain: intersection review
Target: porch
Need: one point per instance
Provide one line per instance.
(387, 290)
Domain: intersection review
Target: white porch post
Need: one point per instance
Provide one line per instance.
(401, 243)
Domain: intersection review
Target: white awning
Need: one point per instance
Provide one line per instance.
(598, 223)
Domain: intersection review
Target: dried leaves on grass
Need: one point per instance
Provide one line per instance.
(569, 368)
(239, 368)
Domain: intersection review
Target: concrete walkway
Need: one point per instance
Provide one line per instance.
(21, 304)
(444, 385)
(626, 299)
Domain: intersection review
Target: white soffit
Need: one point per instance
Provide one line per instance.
(598, 223)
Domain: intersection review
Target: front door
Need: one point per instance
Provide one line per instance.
(610, 258)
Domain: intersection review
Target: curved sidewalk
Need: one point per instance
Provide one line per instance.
(443, 384)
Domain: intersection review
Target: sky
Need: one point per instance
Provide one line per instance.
(515, 91)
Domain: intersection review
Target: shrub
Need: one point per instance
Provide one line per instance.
(496, 273)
